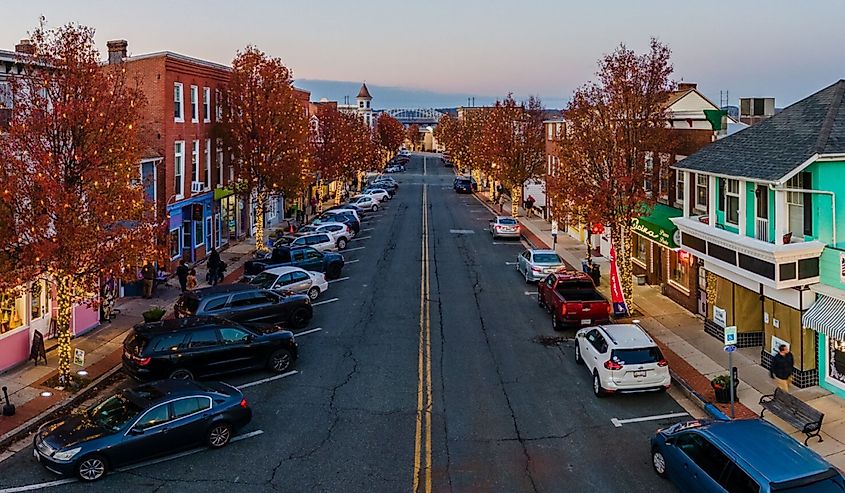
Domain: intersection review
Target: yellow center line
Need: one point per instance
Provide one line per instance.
(422, 436)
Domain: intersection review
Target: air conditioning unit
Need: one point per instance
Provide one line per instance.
(197, 186)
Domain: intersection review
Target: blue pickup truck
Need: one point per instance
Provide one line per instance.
(329, 263)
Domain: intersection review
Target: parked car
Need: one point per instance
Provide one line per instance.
(379, 193)
(292, 280)
(537, 264)
(465, 184)
(203, 347)
(322, 242)
(329, 263)
(504, 227)
(340, 233)
(572, 299)
(141, 423)
(621, 357)
(740, 456)
(366, 202)
(353, 223)
(395, 168)
(385, 182)
(245, 304)
(355, 208)
(345, 209)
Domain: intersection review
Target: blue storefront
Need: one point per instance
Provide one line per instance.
(191, 227)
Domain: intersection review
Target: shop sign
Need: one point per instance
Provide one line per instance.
(776, 343)
(720, 316)
(79, 357)
(842, 268)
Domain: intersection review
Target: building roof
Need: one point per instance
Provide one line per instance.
(364, 92)
(774, 148)
(180, 57)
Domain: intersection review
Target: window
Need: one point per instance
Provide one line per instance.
(206, 179)
(735, 480)
(186, 235)
(551, 131)
(154, 417)
(281, 281)
(679, 186)
(679, 265)
(218, 104)
(216, 304)
(298, 276)
(219, 162)
(762, 195)
(175, 251)
(194, 104)
(233, 335)
(648, 171)
(710, 459)
(198, 233)
(190, 405)
(178, 103)
(701, 191)
(179, 167)
(5, 95)
(639, 248)
(732, 202)
(38, 299)
(246, 299)
(795, 206)
(360, 104)
(169, 342)
(663, 175)
(206, 104)
(312, 254)
(195, 161)
(203, 338)
(637, 356)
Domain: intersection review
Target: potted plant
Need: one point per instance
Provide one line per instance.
(154, 314)
(721, 387)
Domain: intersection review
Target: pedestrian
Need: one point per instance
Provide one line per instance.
(501, 204)
(182, 274)
(148, 273)
(529, 205)
(781, 367)
(192, 280)
(213, 265)
(221, 271)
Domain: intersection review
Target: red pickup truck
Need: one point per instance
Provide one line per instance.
(572, 299)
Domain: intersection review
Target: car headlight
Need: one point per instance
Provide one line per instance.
(67, 454)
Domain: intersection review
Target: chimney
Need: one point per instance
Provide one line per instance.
(117, 50)
(25, 47)
(686, 86)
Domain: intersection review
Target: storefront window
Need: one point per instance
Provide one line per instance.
(38, 299)
(12, 310)
(679, 266)
(640, 246)
(836, 360)
(175, 249)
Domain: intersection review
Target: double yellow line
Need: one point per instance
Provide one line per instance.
(422, 437)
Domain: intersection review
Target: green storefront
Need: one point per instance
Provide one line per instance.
(659, 261)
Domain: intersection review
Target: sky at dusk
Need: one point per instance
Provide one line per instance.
(439, 52)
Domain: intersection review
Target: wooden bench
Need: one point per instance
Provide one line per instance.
(795, 412)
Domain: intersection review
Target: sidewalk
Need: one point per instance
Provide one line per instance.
(694, 356)
(103, 347)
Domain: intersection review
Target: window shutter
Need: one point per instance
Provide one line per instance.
(722, 187)
(807, 183)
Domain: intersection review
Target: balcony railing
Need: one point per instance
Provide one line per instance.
(761, 230)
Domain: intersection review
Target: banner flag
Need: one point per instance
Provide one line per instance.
(620, 308)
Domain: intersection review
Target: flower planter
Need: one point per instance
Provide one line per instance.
(723, 393)
(153, 315)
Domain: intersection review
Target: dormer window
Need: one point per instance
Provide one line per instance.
(360, 104)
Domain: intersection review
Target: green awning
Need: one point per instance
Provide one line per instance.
(658, 226)
(220, 193)
(715, 118)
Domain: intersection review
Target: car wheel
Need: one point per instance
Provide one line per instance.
(333, 272)
(540, 301)
(219, 435)
(597, 388)
(374, 208)
(341, 244)
(91, 468)
(658, 462)
(181, 374)
(556, 326)
(527, 279)
(299, 318)
(280, 361)
(578, 359)
(313, 293)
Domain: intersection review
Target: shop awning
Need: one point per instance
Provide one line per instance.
(827, 315)
(658, 226)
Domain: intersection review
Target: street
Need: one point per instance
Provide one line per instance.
(428, 373)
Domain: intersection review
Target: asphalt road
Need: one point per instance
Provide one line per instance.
(428, 373)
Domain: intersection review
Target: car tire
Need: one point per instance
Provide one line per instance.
(658, 462)
(299, 318)
(578, 359)
(374, 208)
(313, 293)
(280, 361)
(527, 279)
(598, 390)
(218, 435)
(91, 467)
(333, 271)
(181, 374)
(540, 301)
(341, 244)
(556, 326)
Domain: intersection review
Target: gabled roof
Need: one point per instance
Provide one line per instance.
(364, 92)
(774, 148)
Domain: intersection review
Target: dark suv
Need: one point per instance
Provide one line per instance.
(247, 304)
(200, 347)
(304, 257)
(465, 184)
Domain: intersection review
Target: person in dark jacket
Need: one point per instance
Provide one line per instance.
(148, 272)
(182, 274)
(781, 368)
(213, 266)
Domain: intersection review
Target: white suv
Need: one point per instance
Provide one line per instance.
(621, 357)
(339, 232)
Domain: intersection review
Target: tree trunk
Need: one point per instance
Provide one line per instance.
(337, 193)
(492, 184)
(64, 299)
(259, 221)
(516, 200)
(621, 237)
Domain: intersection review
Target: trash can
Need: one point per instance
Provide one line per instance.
(585, 266)
(595, 273)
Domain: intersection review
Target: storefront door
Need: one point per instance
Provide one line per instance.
(39, 306)
(209, 234)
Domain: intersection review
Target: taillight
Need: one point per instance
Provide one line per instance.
(142, 361)
(609, 310)
(663, 362)
(536, 269)
(612, 365)
(244, 404)
(563, 308)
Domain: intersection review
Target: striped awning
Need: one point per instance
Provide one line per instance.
(827, 315)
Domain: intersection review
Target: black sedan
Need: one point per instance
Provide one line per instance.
(137, 424)
(202, 347)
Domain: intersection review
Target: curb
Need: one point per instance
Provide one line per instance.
(44, 416)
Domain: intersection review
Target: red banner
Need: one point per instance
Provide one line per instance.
(620, 308)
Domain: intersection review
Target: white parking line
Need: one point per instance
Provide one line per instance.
(353, 249)
(368, 229)
(361, 238)
(351, 261)
(619, 422)
(265, 380)
(530, 293)
(324, 302)
(306, 332)
(61, 482)
(511, 263)
(338, 279)
(515, 243)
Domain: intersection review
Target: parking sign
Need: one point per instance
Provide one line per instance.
(730, 335)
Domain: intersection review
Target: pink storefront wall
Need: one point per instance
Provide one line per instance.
(85, 318)
(14, 349)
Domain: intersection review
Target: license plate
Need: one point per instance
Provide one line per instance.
(639, 374)
(586, 321)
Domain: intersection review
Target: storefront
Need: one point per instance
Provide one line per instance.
(827, 318)
(191, 228)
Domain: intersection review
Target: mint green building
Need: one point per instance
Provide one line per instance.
(764, 210)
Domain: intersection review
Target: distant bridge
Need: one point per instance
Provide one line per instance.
(418, 116)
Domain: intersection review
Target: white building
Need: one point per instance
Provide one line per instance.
(363, 106)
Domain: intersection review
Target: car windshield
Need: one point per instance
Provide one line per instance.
(113, 412)
(265, 280)
(507, 220)
(637, 356)
(546, 258)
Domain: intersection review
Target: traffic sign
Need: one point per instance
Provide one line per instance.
(554, 228)
(730, 335)
(731, 348)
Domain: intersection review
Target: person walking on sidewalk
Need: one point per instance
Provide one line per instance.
(781, 368)
(192, 279)
(501, 203)
(213, 266)
(529, 206)
(182, 274)
(148, 273)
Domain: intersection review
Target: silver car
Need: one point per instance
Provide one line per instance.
(535, 265)
(504, 227)
(289, 279)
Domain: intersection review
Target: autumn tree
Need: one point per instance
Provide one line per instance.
(390, 134)
(614, 126)
(343, 148)
(462, 138)
(514, 142)
(267, 129)
(74, 211)
(412, 133)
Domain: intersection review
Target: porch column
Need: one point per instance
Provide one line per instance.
(686, 204)
(742, 207)
(781, 225)
(712, 200)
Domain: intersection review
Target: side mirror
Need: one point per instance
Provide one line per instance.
(670, 441)
(136, 430)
